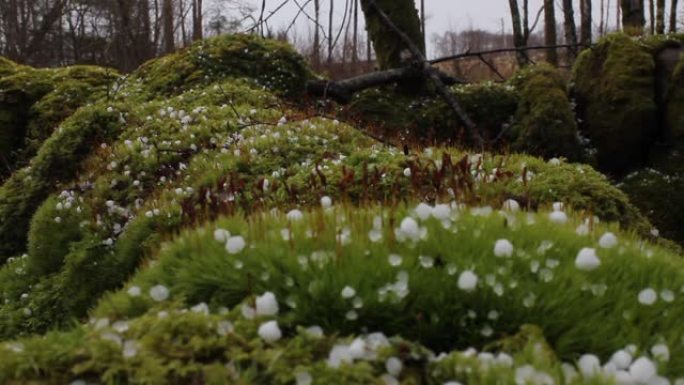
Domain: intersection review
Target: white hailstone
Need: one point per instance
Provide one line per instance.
(554, 161)
(423, 210)
(660, 352)
(647, 297)
(134, 291)
(314, 331)
(221, 235)
(582, 229)
(667, 295)
(339, 355)
(608, 241)
(159, 293)
(235, 244)
(303, 378)
(326, 202)
(467, 281)
(559, 217)
(504, 359)
(589, 365)
(441, 212)
(58, 220)
(569, 372)
(201, 308)
(642, 370)
(394, 366)
(623, 377)
(426, 262)
(622, 359)
(658, 380)
(130, 349)
(295, 215)
(223, 328)
(247, 311)
(407, 172)
(587, 259)
(557, 206)
(511, 205)
(609, 368)
(351, 315)
(394, 260)
(375, 235)
(270, 331)
(410, 228)
(503, 248)
(348, 292)
(266, 304)
(357, 349)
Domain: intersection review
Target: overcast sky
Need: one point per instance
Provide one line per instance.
(443, 15)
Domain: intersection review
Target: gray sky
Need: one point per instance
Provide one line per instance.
(443, 15)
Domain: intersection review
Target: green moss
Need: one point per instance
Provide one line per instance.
(545, 121)
(269, 63)
(675, 102)
(7, 67)
(58, 160)
(53, 228)
(614, 85)
(34, 101)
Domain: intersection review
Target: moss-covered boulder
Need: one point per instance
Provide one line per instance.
(545, 121)
(614, 86)
(34, 101)
(272, 64)
(675, 103)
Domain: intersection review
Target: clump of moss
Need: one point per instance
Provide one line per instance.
(7, 67)
(614, 86)
(34, 101)
(491, 106)
(545, 121)
(58, 160)
(269, 63)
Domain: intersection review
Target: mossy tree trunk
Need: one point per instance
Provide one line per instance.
(390, 51)
(550, 32)
(633, 15)
(569, 26)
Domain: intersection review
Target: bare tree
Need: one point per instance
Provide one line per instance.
(660, 17)
(168, 28)
(569, 26)
(518, 37)
(673, 16)
(197, 25)
(586, 26)
(550, 32)
(633, 15)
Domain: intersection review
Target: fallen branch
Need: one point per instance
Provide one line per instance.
(503, 50)
(342, 91)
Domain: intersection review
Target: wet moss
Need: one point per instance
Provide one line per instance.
(7, 67)
(545, 121)
(614, 86)
(272, 64)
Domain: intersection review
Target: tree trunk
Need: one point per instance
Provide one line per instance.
(550, 32)
(585, 28)
(569, 27)
(197, 32)
(518, 38)
(633, 16)
(660, 18)
(316, 54)
(167, 26)
(331, 16)
(652, 17)
(673, 16)
(390, 51)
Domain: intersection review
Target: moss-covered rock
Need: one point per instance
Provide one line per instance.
(675, 103)
(269, 63)
(545, 121)
(614, 86)
(34, 101)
